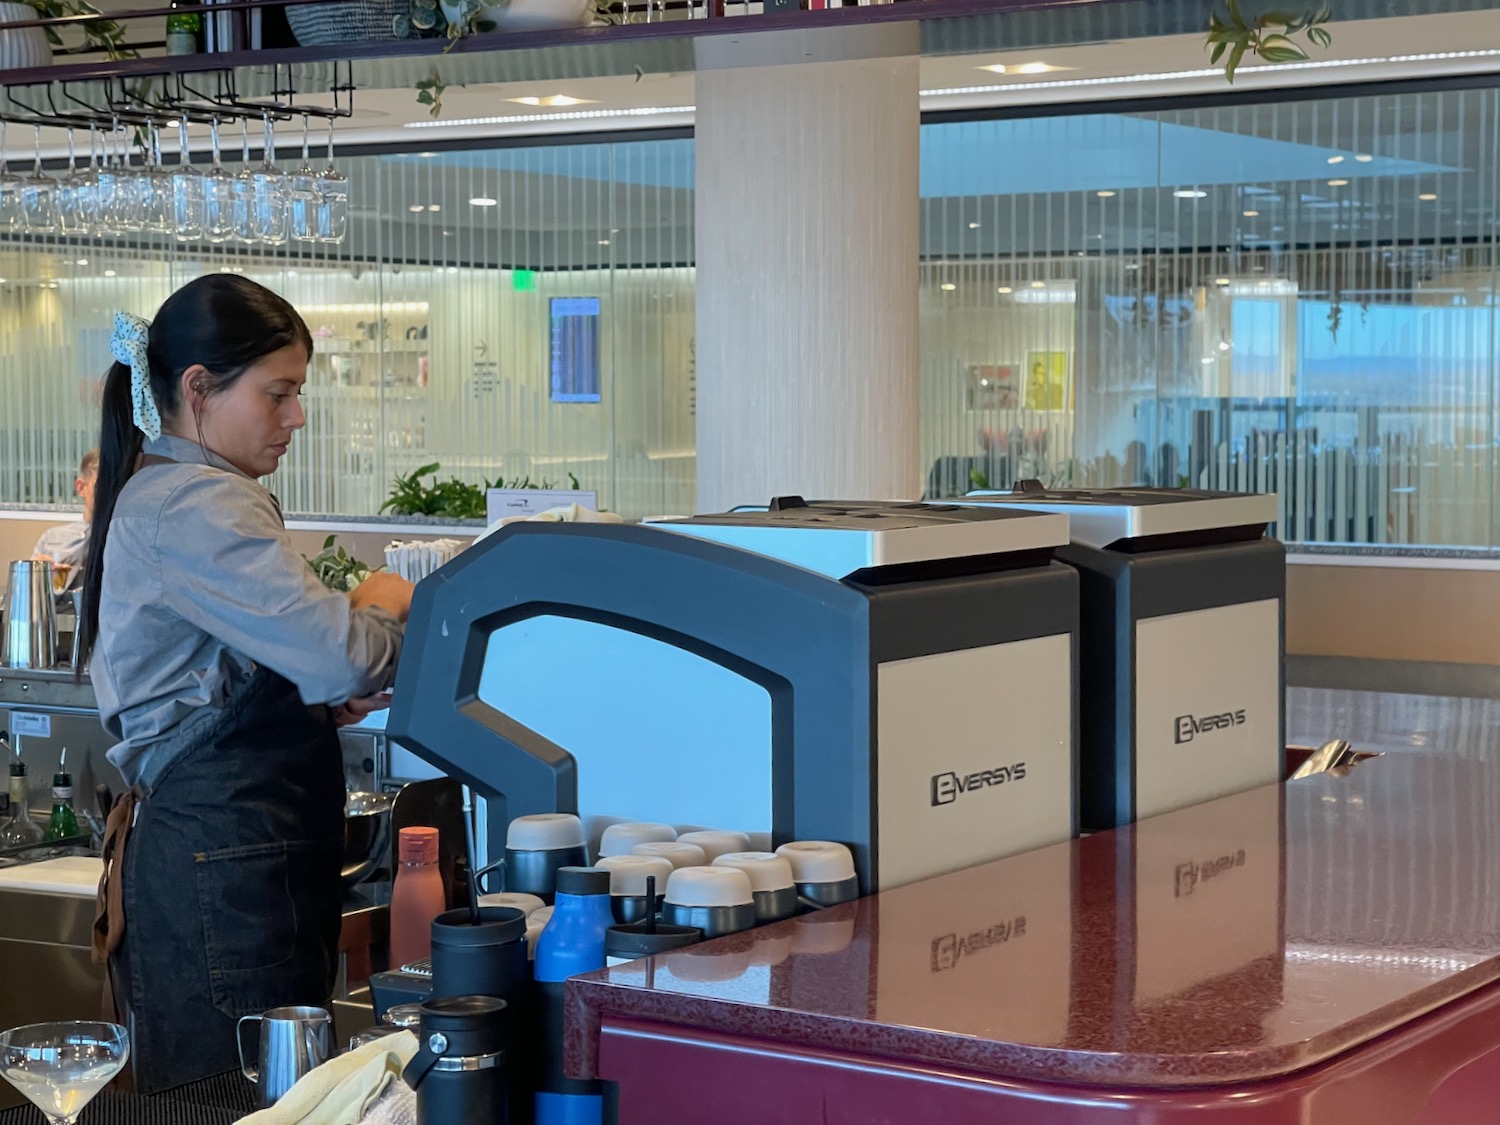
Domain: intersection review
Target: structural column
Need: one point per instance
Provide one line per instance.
(807, 222)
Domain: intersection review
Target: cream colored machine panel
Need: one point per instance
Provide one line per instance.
(1208, 718)
(974, 756)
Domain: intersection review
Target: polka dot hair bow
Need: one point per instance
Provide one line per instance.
(128, 345)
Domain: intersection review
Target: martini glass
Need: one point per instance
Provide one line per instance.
(61, 1066)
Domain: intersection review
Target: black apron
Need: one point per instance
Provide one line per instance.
(231, 884)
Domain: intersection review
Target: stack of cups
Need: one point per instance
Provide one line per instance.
(824, 872)
(627, 885)
(678, 854)
(716, 900)
(536, 846)
(771, 880)
(715, 844)
(619, 839)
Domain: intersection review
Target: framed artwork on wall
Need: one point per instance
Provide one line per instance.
(1048, 381)
(993, 386)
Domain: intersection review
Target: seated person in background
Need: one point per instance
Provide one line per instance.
(65, 544)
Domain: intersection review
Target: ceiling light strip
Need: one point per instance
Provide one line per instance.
(1211, 71)
(574, 115)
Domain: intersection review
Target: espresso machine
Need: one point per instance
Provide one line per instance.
(1183, 643)
(895, 677)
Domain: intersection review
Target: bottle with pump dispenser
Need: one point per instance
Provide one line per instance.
(417, 896)
(64, 822)
(20, 829)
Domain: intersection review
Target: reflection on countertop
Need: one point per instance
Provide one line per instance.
(1233, 941)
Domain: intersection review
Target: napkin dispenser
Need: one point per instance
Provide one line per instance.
(898, 679)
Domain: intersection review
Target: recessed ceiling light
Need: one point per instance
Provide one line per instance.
(1221, 281)
(1364, 158)
(1039, 68)
(416, 208)
(1039, 285)
(1223, 345)
(426, 155)
(1251, 214)
(1004, 289)
(948, 287)
(1427, 196)
(973, 226)
(551, 100)
(109, 273)
(1338, 183)
(1335, 160)
(1106, 194)
(447, 234)
(239, 269)
(1193, 193)
(482, 201)
(434, 207)
(604, 242)
(292, 273)
(83, 261)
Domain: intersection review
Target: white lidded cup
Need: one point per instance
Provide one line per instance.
(771, 880)
(516, 900)
(627, 884)
(716, 900)
(824, 871)
(675, 853)
(621, 839)
(536, 922)
(715, 843)
(536, 846)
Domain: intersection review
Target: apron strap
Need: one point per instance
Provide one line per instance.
(109, 906)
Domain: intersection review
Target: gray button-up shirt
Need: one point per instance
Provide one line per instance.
(201, 584)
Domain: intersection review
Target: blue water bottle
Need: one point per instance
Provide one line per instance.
(572, 943)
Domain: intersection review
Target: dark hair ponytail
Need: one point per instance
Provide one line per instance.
(223, 322)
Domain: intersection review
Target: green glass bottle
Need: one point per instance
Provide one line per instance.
(63, 823)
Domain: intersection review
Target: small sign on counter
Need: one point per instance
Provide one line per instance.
(503, 503)
(30, 724)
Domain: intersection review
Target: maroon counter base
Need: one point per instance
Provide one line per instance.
(1319, 953)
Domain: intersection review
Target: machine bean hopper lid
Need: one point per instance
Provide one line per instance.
(1135, 517)
(841, 538)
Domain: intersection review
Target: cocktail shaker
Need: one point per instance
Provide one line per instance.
(30, 635)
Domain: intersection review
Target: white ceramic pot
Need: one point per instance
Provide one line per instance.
(530, 15)
(24, 47)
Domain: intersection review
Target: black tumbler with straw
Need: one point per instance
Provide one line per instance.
(481, 951)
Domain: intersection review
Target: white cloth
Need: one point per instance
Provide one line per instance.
(343, 1090)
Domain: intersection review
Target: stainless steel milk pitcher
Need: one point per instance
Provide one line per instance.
(292, 1042)
(30, 633)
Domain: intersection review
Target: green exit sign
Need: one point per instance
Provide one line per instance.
(523, 281)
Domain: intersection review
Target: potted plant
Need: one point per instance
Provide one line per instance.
(32, 46)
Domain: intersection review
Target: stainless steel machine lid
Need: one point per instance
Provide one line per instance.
(1100, 517)
(837, 537)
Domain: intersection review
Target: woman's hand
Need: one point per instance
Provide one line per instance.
(357, 710)
(383, 590)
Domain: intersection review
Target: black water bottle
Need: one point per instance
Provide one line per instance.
(459, 1071)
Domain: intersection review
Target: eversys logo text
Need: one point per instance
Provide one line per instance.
(947, 786)
(1190, 726)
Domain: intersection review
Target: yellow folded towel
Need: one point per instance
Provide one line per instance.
(342, 1090)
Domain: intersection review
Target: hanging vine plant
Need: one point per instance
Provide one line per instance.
(1267, 37)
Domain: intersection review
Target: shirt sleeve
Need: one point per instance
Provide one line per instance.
(228, 567)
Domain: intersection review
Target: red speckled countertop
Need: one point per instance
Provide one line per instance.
(1237, 940)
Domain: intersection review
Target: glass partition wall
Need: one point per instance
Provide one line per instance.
(520, 313)
(1296, 296)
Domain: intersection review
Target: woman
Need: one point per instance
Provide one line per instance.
(216, 657)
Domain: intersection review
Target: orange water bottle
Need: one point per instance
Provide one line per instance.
(417, 896)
